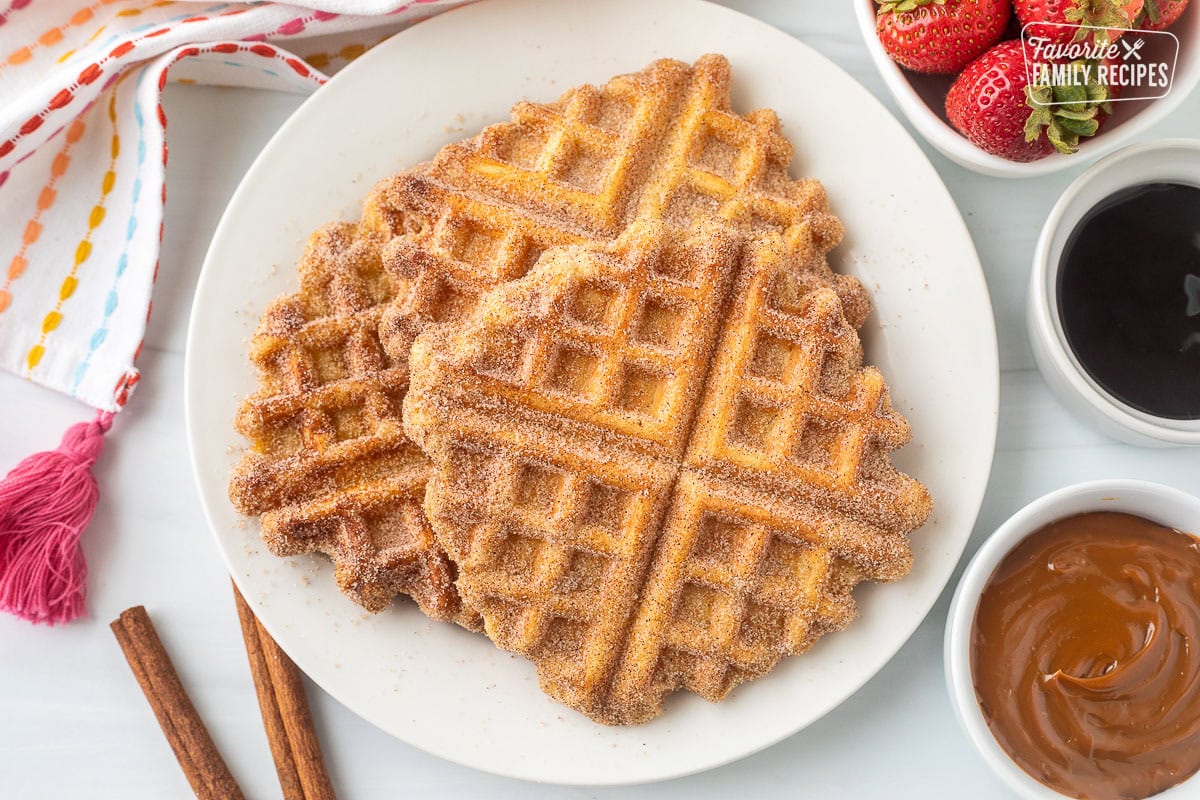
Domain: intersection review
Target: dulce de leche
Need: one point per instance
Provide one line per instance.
(1085, 655)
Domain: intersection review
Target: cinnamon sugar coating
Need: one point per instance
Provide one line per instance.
(659, 464)
(330, 468)
(660, 144)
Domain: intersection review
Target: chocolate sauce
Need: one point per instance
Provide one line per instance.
(1129, 297)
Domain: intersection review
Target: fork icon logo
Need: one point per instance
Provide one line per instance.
(1132, 49)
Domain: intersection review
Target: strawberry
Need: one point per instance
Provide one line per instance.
(1158, 15)
(1118, 14)
(995, 107)
(940, 36)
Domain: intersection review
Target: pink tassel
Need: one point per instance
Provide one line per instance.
(45, 503)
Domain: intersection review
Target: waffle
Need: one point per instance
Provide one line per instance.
(660, 464)
(660, 144)
(329, 468)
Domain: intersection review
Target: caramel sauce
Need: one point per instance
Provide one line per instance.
(1085, 654)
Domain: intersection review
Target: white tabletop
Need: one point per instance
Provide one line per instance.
(73, 723)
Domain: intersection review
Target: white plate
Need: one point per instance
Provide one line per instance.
(450, 692)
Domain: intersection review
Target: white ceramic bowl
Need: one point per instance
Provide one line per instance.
(1161, 504)
(1175, 160)
(922, 99)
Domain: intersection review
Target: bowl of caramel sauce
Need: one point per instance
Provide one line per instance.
(1114, 296)
(1072, 648)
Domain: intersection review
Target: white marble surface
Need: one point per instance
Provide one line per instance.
(73, 723)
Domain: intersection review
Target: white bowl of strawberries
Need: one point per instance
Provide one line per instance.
(1016, 88)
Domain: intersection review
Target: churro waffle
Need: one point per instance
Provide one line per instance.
(660, 144)
(661, 464)
(329, 468)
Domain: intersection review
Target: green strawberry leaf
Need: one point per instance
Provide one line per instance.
(1079, 127)
(1097, 93)
(1038, 120)
(1066, 113)
(1040, 95)
(1099, 14)
(901, 6)
(1063, 113)
(1063, 141)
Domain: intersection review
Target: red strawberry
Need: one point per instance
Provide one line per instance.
(995, 107)
(1158, 15)
(940, 36)
(1118, 14)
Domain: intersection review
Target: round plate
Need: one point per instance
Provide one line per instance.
(451, 692)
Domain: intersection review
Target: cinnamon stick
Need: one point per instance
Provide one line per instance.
(202, 764)
(287, 719)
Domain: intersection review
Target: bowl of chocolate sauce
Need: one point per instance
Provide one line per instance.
(1072, 649)
(1114, 300)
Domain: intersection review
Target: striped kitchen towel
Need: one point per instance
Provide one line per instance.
(82, 166)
